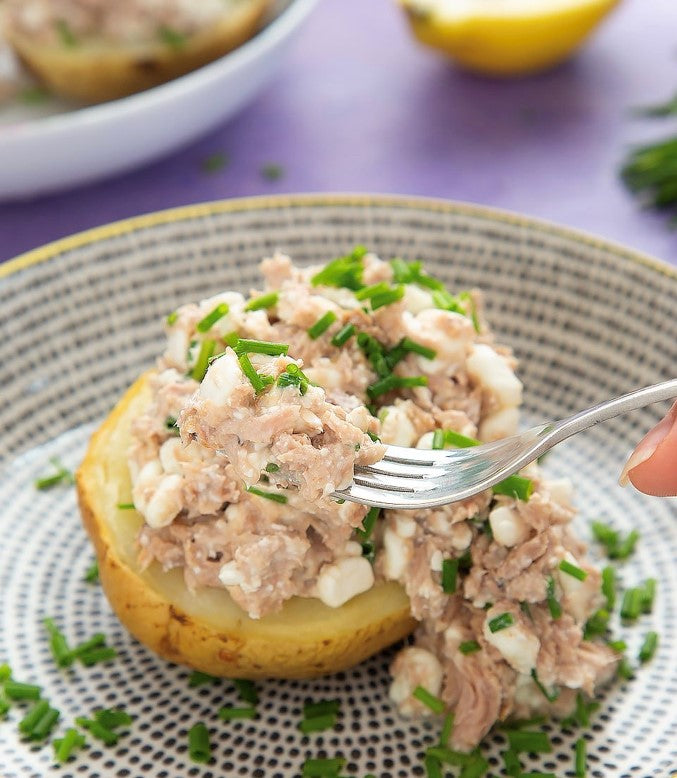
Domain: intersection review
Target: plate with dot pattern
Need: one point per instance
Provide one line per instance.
(82, 317)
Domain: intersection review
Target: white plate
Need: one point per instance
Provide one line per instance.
(51, 146)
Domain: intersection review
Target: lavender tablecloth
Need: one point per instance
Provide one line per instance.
(358, 106)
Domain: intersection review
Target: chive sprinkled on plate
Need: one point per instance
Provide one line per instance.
(92, 573)
(393, 382)
(246, 690)
(198, 678)
(532, 742)
(271, 467)
(648, 647)
(205, 324)
(449, 756)
(322, 325)
(387, 297)
(580, 759)
(113, 718)
(97, 730)
(97, 640)
(609, 586)
(320, 708)
(274, 496)
(502, 621)
(262, 302)
(16, 690)
(445, 437)
(429, 700)
(272, 171)
(199, 747)
(29, 721)
(516, 486)
(215, 162)
(631, 606)
(447, 729)
(367, 292)
(572, 570)
(62, 476)
(66, 746)
(597, 624)
(648, 595)
(322, 767)
(96, 656)
(172, 317)
(231, 713)
(57, 644)
(449, 575)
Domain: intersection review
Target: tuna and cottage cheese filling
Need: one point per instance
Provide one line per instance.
(123, 21)
(261, 409)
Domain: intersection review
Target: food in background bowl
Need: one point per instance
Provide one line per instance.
(506, 37)
(98, 50)
(238, 559)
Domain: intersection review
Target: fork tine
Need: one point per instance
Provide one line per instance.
(401, 470)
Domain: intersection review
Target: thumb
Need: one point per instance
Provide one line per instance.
(652, 467)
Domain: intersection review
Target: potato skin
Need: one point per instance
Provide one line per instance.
(208, 631)
(95, 72)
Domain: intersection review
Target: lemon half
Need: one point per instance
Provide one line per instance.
(506, 37)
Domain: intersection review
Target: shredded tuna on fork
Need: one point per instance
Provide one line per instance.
(262, 409)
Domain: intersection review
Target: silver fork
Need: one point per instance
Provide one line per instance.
(409, 478)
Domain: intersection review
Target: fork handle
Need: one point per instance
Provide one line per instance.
(603, 411)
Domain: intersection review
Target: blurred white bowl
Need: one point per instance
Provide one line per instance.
(53, 146)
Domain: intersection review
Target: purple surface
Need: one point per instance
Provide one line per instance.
(358, 106)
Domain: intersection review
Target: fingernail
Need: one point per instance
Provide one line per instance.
(648, 445)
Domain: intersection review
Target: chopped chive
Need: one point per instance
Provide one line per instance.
(58, 645)
(582, 713)
(29, 721)
(449, 575)
(274, 496)
(100, 732)
(632, 604)
(319, 768)
(202, 363)
(432, 767)
(538, 775)
(4, 708)
(515, 486)
(469, 647)
(293, 379)
(448, 756)
(16, 690)
(215, 162)
(199, 748)
(401, 271)
(553, 603)
(512, 765)
(447, 302)
(444, 437)
(229, 713)
(343, 272)
(609, 587)
(375, 438)
(198, 678)
(369, 551)
(172, 318)
(526, 610)
(272, 172)
(271, 467)
(322, 325)
(580, 759)
(603, 533)
(438, 440)
(125, 506)
(171, 37)
(625, 547)
(34, 95)
(112, 719)
(447, 729)
(375, 353)
(258, 382)
(572, 570)
(412, 273)
(65, 746)
(367, 292)
(317, 723)
(170, 424)
(245, 346)
(267, 300)
(625, 670)
(67, 36)
(476, 769)
(96, 655)
(387, 298)
(531, 742)
(429, 700)
(62, 476)
(5, 672)
(204, 325)
(231, 339)
(98, 639)
(649, 646)
(472, 310)
(246, 690)
(392, 382)
(648, 595)
(500, 622)
(368, 524)
(619, 646)
(597, 624)
(549, 696)
(343, 335)
(45, 725)
(321, 708)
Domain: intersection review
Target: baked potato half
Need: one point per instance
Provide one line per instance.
(207, 630)
(94, 70)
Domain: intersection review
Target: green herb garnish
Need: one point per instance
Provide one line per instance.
(343, 272)
(273, 496)
(449, 575)
(125, 506)
(609, 587)
(245, 346)
(531, 742)
(649, 646)
(65, 746)
(97, 729)
(580, 767)
(648, 595)
(631, 606)
(215, 162)
(322, 768)
(553, 603)
(272, 172)
(57, 644)
(199, 747)
(388, 297)
(205, 324)
(16, 690)
(549, 696)
(469, 647)
(92, 573)
(264, 301)
(448, 726)
(515, 486)
(198, 678)
(246, 690)
(393, 382)
(322, 325)
(230, 713)
(368, 523)
(503, 621)
(429, 700)
(572, 570)
(202, 363)
(258, 382)
(62, 476)
(271, 467)
(343, 335)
